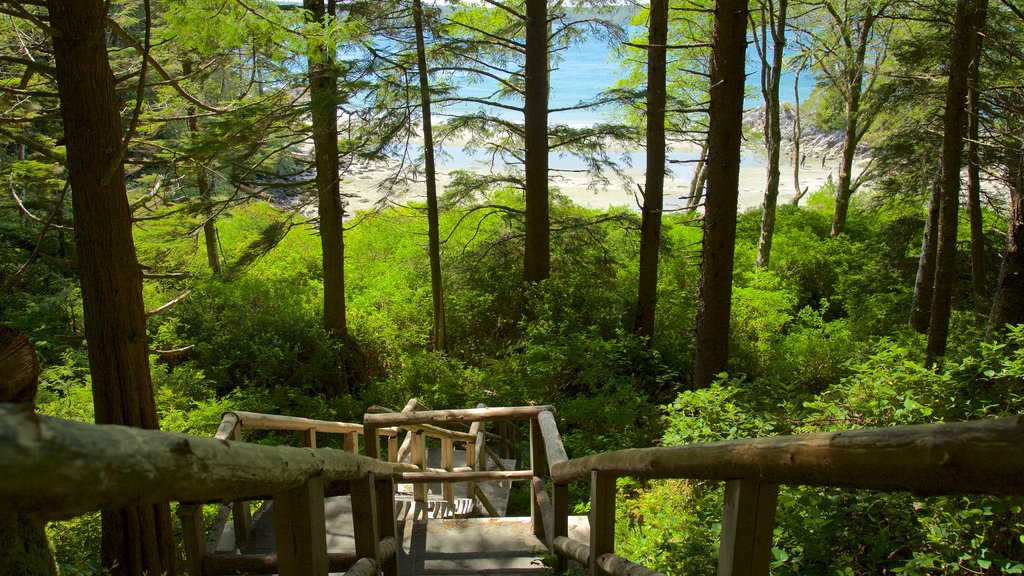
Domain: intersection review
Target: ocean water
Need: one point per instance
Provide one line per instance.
(587, 69)
(584, 71)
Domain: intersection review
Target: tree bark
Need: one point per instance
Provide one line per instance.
(537, 257)
(964, 51)
(323, 88)
(921, 305)
(772, 131)
(798, 193)
(24, 548)
(855, 83)
(700, 177)
(135, 540)
(654, 188)
(1008, 302)
(978, 272)
(439, 337)
(719, 244)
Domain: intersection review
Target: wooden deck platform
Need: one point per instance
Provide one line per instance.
(434, 547)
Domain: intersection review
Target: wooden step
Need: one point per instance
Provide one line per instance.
(466, 546)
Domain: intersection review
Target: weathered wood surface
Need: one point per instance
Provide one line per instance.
(24, 548)
(465, 476)
(618, 566)
(553, 446)
(253, 420)
(465, 415)
(429, 429)
(545, 514)
(88, 467)
(19, 367)
(748, 521)
(578, 551)
(983, 456)
(232, 564)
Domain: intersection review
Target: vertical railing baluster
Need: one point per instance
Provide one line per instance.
(748, 521)
(241, 515)
(365, 519)
(300, 530)
(386, 521)
(538, 464)
(193, 531)
(602, 519)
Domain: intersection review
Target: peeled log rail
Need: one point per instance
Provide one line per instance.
(434, 431)
(465, 476)
(552, 439)
(610, 563)
(272, 422)
(90, 467)
(231, 564)
(465, 415)
(984, 456)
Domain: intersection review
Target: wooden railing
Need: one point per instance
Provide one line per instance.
(422, 423)
(474, 438)
(200, 550)
(984, 457)
(53, 468)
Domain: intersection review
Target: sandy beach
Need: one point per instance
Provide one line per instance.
(361, 183)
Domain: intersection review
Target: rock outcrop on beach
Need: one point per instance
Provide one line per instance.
(814, 140)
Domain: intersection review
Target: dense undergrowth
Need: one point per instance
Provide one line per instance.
(819, 342)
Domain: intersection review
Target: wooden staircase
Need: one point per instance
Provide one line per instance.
(337, 512)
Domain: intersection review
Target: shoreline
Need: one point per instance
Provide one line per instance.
(361, 185)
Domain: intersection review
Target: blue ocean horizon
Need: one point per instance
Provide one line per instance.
(591, 67)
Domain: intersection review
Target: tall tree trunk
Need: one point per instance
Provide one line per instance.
(1008, 302)
(855, 81)
(700, 178)
(654, 189)
(772, 131)
(323, 89)
(850, 141)
(719, 245)
(135, 540)
(798, 193)
(921, 305)
(203, 185)
(439, 337)
(537, 257)
(964, 51)
(981, 303)
(24, 549)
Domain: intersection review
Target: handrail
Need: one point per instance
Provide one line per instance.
(91, 467)
(379, 421)
(258, 421)
(983, 456)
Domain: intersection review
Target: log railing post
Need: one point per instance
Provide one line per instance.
(386, 521)
(538, 464)
(300, 530)
(602, 519)
(241, 515)
(448, 463)
(352, 442)
(371, 447)
(365, 518)
(748, 520)
(308, 439)
(560, 498)
(193, 531)
(393, 448)
(418, 458)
